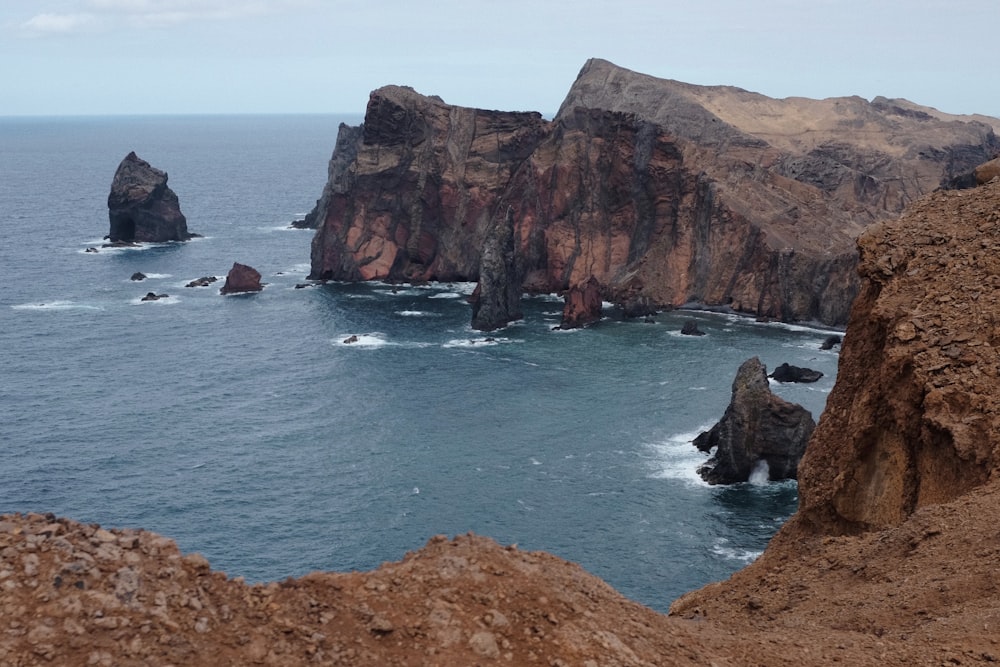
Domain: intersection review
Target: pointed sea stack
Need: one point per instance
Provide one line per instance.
(141, 208)
(583, 305)
(757, 426)
(497, 299)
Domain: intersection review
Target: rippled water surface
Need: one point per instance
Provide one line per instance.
(245, 428)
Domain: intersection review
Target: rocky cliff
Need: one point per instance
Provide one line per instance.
(891, 559)
(660, 190)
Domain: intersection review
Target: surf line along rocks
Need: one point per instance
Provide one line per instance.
(757, 426)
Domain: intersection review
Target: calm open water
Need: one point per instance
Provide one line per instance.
(244, 428)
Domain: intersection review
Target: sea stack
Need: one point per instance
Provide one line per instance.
(141, 208)
(497, 299)
(241, 278)
(757, 426)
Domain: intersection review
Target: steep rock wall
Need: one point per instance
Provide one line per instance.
(661, 190)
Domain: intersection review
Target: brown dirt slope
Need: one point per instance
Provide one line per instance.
(892, 559)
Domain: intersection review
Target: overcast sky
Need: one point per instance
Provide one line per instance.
(323, 56)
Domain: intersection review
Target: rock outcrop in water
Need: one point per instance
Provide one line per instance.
(241, 278)
(659, 189)
(582, 305)
(141, 208)
(757, 428)
(497, 299)
(891, 559)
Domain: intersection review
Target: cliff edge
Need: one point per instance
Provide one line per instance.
(660, 190)
(891, 559)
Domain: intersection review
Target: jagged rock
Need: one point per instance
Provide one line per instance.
(690, 328)
(788, 373)
(496, 301)
(138, 276)
(204, 281)
(757, 426)
(583, 305)
(152, 296)
(241, 278)
(141, 208)
(830, 342)
(637, 180)
(638, 306)
(351, 339)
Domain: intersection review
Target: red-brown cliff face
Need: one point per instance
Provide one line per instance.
(659, 189)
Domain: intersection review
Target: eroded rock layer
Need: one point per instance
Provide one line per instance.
(658, 189)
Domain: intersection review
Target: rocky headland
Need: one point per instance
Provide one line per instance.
(665, 193)
(141, 207)
(890, 560)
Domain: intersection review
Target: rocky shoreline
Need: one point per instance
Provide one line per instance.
(891, 559)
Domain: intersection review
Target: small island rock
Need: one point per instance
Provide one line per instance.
(242, 278)
(757, 426)
(690, 328)
(583, 305)
(788, 373)
(141, 208)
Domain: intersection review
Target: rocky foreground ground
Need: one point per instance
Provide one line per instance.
(893, 558)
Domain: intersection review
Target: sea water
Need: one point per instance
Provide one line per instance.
(247, 429)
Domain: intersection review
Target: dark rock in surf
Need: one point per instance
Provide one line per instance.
(789, 373)
(583, 305)
(240, 279)
(830, 341)
(757, 426)
(690, 328)
(496, 301)
(141, 208)
(138, 276)
(204, 281)
(152, 296)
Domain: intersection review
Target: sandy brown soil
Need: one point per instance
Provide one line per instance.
(893, 558)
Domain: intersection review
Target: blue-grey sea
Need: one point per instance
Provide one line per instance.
(246, 429)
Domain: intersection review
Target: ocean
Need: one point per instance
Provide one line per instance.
(245, 428)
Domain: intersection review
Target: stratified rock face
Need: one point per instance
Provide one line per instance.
(757, 426)
(141, 208)
(658, 189)
(913, 419)
(583, 305)
(497, 299)
(241, 278)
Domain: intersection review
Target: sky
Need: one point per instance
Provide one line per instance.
(98, 57)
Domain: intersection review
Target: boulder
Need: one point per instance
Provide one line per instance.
(583, 305)
(152, 296)
(788, 373)
(204, 281)
(690, 328)
(830, 342)
(141, 208)
(987, 171)
(757, 426)
(138, 276)
(242, 278)
(496, 301)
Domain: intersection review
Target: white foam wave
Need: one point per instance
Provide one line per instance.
(417, 313)
(55, 305)
(475, 342)
(164, 300)
(729, 553)
(445, 295)
(362, 341)
(676, 458)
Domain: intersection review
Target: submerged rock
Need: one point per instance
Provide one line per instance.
(242, 278)
(757, 426)
(788, 373)
(141, 208)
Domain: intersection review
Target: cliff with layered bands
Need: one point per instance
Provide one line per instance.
(670, 192)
